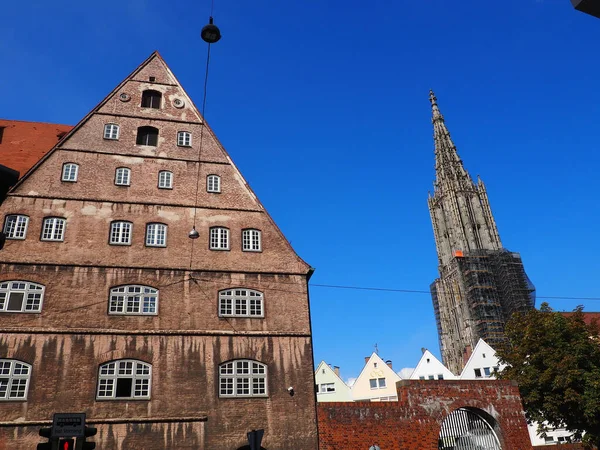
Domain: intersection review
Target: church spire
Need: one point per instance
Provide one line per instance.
(449, 170)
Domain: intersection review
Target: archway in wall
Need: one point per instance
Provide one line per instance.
(469, 429)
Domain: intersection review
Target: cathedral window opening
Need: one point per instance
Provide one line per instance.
(69, 172)
(15, 226)
(219, 238)
(156, 235)
(241, 303)
(14, 379)
(165, 179)
(53, 229)
(120, 233)
(124, 379)
(133, 299)
(242, 378)
(213, 184)
(123, 176)
(21, 296)
(251, 240)
(111, 131)
(184, 139)
(151, 99)
(147, 136)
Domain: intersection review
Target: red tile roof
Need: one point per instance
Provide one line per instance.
(24, 143)
(587, 316)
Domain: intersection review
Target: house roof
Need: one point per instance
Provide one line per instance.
(587, 316)
(23, 144)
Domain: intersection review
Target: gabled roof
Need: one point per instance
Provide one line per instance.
(430, 365)
(23, 144)
(324, 365)
(482, 348)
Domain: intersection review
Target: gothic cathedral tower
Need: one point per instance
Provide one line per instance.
(480, 284)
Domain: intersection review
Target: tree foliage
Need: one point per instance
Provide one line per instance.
(555, 358)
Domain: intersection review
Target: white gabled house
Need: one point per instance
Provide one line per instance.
(330, 386)
(482, 363)
(431, 368)
(376, 382)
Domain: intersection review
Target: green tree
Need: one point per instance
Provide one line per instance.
(556, 361)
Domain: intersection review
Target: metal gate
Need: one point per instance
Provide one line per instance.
(464, 429)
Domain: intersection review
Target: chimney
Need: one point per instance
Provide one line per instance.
(389, 363)
(367, 358)
(336, 370)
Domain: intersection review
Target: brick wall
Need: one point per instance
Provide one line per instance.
(413, 423)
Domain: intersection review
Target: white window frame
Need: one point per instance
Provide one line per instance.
(156, 235)
(123, 176)
(133, 299)
(15, 226)
(111, 131)
(14, 380)
(70, 172)
(32, 296)
(324, 388)
(241, 302)
(165, 179)
(379, 384)
(184, 139)
(251, 240)
(243, 378)
(120, 233)
(219, 238)
(53, 229)
(213, 184)
(109, 374)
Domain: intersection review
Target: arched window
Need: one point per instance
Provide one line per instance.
(241, 303)
(165, 179)
(124, 379)
(242, 378)
(120, 233)
(151, 99)
(15, 226)
(111, 131)
(14, 379)
(53, 229)
(213, 183)
(123, 176)
(21, 296)
(156, 235)
(184, 139)
(133, 299)
(70, 172)
(251, 240)
(219, 238)
(147, 136)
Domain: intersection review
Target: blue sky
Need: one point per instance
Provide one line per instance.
(323, 106)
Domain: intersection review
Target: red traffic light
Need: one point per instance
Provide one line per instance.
(66, 444)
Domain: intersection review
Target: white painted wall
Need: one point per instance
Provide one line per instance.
(431, 368)
(326, 379)
(376, 369)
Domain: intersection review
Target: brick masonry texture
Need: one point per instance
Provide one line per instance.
(413, 423)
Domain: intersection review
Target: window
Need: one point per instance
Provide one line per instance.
(111, 131)
(477, 373)
(431, 377)
(422, 377)
(219, 238)
(14, 379)
(377, 383)
(120, 233)
(327, 388)
(240, 303)
(251, 241)
(165, 179)
(156, 235)
(133, 299)
(53, 229)
(147, 136)
(440, 376)
(486, 372)
(21, 296)
(213, 183)
(151, 99)
(242, 378)
(123, 176)
(69, 172)
(124, 379)
(184, 139)
(15, 226)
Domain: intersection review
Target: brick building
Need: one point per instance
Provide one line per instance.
(108, 307)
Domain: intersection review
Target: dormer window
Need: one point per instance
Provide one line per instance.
(111, 131)
(184, 139)
(151, 99)
(147, 136)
